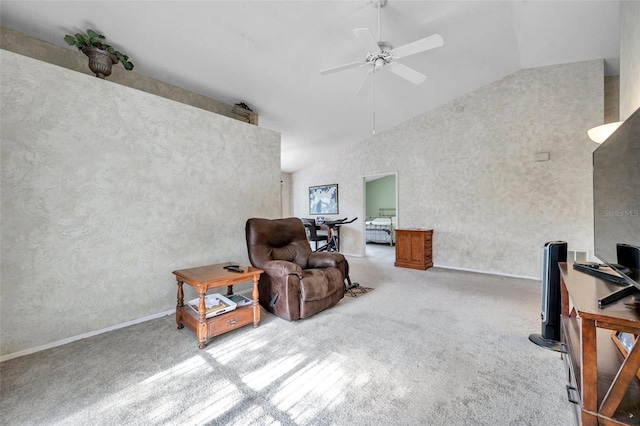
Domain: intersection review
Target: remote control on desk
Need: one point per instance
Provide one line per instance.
(232, 265)
(234, 268)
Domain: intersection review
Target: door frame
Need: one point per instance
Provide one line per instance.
(366, 178)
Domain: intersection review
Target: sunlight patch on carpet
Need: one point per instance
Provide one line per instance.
(254, 415)
(272, 371)
(194, 364)
(325, 380)
(240, 346)
(223, 400)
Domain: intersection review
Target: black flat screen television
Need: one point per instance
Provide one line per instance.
(616, 201)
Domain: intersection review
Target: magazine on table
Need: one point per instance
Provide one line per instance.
(215, 304)
(240, 299)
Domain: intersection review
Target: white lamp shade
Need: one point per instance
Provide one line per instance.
(601, 133)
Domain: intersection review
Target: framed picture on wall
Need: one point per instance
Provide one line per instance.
(323, 199)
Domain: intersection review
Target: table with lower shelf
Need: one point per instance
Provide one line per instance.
(204, 278)
(603, 382)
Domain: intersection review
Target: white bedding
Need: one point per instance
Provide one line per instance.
(381, 230)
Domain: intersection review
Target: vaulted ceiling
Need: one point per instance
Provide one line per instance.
(269, 54)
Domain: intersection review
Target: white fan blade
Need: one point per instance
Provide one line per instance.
(341, 67)
(366, 38)
(418, 46)
(405, 72)
(365, 85)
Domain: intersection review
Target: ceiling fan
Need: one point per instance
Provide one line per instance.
(381, 54)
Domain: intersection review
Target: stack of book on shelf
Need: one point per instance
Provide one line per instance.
(215, 304)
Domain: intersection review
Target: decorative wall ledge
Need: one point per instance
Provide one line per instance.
(25, 45)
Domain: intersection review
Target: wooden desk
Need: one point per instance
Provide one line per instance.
(204, 278)
(608, 391)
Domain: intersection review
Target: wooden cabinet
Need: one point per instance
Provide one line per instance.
(602, 383)
(413, 248)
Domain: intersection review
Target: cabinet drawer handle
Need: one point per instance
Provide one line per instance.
(233, 321)
(572, 400)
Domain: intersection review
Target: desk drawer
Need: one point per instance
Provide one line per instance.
(230, 321)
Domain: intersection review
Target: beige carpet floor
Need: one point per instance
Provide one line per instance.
(435, 347)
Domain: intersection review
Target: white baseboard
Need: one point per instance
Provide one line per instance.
(84, 336)
(487, 272)
(352, 255)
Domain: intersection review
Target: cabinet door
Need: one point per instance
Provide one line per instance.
(403, 247)
(417, 247)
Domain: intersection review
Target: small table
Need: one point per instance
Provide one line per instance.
(204, 278)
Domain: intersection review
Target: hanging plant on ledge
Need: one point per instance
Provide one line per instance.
(101, 55)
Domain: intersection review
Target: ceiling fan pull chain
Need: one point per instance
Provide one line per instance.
(374, 102)
(379, 20)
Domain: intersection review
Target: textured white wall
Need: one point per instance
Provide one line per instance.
(106, 190)
(629, 58)
(467, 170)
(285, 179)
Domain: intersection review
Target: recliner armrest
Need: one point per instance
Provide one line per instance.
(281, 268)
(325, 260)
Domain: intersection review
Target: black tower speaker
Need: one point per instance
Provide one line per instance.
(552, 253)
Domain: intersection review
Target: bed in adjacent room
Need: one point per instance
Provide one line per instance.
(381, 229)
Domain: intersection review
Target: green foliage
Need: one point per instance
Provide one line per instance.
(92, 38)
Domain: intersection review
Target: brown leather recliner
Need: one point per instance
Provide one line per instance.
(297, 282)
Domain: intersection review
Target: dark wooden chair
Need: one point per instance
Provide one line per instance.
(312, 231)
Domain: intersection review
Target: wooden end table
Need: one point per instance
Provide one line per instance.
(204, 278)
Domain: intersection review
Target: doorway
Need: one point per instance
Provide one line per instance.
(381, 215)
